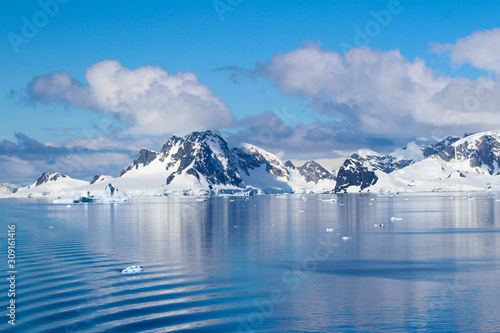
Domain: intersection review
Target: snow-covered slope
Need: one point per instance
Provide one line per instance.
(411, 151)
(470, 163)
(479, 152)
(49, 184)
(363, 169)
(197, 163)
(311, 177)
(6, 190)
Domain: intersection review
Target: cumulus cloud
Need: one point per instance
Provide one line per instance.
(481, 49)
(148, 99)
(383, 93)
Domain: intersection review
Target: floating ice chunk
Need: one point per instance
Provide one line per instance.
(396, 219)
(132, 270)
(330, 230)
(346, 238)
(301, 211)
(330, 200)
(112, 194)
(201, 199)
(378, 225)
(69, 206)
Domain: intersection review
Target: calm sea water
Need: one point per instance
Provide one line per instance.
(262, 264)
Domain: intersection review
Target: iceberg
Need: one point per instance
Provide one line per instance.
(132, 270)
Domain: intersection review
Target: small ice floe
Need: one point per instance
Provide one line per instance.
(232, 200)
(69, 206)
(405, 199)
(330, 200)
(301, 211)
(51, 227)
(346, 238)
(330, 230)
(370, 204)
(497, 200)
(396, 219)
(378, 225)
(132, 270)
(201, 199)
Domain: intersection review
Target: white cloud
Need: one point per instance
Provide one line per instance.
(23, 160)
(149, 99)
(80, 165)
(382, 92)
(18, 171)
(481, 49)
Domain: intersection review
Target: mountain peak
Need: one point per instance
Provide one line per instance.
(145, 157)
(47, 176)
(198, 136)
(478, 136)
(314, 172)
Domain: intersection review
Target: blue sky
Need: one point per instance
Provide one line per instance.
(254, 71)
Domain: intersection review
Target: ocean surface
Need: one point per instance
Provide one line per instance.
(258, 264)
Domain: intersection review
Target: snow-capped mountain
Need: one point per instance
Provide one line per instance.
(355, 174)
(361, 170)
(311, 177)
(470, 163)
(6, 190)
(98, 179)
(202, 163)
(314, 172)
(49, 184)
(451, 164)
(199, 161)
(194, 164)
(386, 163)
(480, 152)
